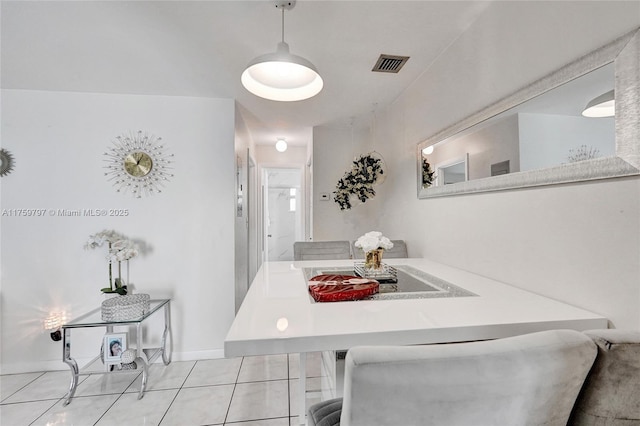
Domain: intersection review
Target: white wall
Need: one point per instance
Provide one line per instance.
(334, 149)
(578, 243)
(58, 140)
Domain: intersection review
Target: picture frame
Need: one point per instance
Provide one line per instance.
(114, 344)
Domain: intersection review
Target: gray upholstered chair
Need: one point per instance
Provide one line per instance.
(532, 379)
(320, 250)
(611, 394)
(398, 250)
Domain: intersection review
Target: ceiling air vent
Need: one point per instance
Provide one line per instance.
(390, 63)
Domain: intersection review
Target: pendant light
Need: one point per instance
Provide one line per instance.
(282, 76)
(602, 106)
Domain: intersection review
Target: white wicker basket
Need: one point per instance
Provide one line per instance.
(125, 308)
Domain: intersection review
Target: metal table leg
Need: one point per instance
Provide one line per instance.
(166, 358)
(145, 376)
(73, 365)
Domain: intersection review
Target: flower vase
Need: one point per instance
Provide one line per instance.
(373, 259)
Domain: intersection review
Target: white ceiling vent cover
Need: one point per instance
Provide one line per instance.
(390, 63)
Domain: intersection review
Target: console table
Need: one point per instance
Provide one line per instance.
(144, 356)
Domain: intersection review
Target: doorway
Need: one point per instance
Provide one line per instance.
(453, 171)
(283, 215)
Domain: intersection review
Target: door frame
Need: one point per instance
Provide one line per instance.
(261, 232)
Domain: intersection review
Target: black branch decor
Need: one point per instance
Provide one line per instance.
(366, 171)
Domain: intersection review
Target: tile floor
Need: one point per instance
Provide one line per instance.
(249, 391)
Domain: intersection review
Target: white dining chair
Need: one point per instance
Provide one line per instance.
(532, 379)
(321, 250)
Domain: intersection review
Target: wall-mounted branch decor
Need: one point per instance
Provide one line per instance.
(582, 153)
(366, 171)
(428, 175)
(138, 163)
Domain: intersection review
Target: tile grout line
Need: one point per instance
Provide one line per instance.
(288, 376)
(57, 400)
(45, 411)
(108, 408)
(118, 398)
(289, 386)
(177, 393)
(27, 384)
(226, 415)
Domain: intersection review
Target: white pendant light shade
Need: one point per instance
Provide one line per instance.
(282, 76)
(602, 106)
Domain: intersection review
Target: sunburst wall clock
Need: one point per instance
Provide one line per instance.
(138, 163)
(6, 162)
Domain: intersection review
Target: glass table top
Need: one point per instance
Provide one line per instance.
(94, 317)
(411, 283)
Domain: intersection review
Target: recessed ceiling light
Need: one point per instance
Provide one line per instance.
(281, 145)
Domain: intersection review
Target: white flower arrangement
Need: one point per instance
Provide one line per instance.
(120, 249)
(373, 240)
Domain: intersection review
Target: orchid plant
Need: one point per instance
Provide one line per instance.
(120, 249)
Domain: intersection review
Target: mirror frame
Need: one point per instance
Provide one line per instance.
(625, 53)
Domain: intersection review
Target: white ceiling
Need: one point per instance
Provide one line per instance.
(200, 48)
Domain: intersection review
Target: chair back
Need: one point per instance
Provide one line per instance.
(532, 379)
(321, 250)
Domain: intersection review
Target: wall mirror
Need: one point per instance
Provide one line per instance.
(539, 135)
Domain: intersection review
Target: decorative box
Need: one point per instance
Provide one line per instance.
(340, 288)
(386, 274)
(125, 308)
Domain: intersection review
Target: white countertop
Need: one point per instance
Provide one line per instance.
(278, 315)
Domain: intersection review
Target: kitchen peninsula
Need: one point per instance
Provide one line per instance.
(279, 316)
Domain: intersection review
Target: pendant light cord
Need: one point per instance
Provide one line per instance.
(283, 24)
(353, 149)
(373, 128)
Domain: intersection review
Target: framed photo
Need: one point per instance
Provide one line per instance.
(114, 345)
